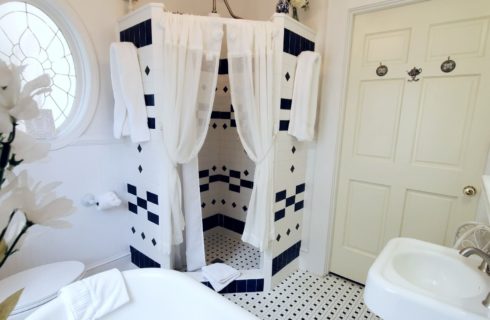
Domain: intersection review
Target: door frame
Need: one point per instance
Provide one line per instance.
(316, 257)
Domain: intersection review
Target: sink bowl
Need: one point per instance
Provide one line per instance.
(413, 279)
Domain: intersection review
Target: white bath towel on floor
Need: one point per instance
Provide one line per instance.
(96, 296)
(305, 96)
(220, 275)
(130, 118)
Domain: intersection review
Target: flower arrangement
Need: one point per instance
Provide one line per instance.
(23, 203)
(299, 4)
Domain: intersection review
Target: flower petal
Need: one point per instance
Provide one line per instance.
(27, 148)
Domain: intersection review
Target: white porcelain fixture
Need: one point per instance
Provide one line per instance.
(413, 279)
(41, 284)
(162, 294)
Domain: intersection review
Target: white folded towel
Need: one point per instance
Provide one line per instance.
(305, 96)
(220, 275)
(130, 116)
(96, 296)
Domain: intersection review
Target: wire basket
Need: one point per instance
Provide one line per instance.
(473, 234)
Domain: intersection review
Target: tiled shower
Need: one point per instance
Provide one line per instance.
(225, 171)
(226, 182)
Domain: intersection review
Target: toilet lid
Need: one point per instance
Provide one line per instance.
(41, 284)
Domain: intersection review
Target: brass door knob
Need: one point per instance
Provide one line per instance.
(469, 191)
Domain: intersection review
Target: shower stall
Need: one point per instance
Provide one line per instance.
(226, 173)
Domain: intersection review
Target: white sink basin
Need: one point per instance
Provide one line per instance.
(413, 279)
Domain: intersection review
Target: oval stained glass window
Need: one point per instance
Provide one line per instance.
(29, 37)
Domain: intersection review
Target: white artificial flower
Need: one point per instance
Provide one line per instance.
(27, 148)
(19, 101)
(299, 3)
(39, 202)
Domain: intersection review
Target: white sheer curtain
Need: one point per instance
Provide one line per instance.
(254, 66)
(191, 48)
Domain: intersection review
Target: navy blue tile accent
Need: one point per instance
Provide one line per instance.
(234, 185)
(285, 258)
(223, 115)
(260, 284)
(217, 260)
(252, 285)
(233, 224)
(131, 189)
(210, 222)
(295, 44)
(223, 66)
(150, 100)
(203, 173)
(246, 184)
(281, 195)
(235, 174)
(300, 188)
(151, 197)
(151, 123)
(221, 220)
(133, 208)
(141, 260)
(298, 206)
(141, 203)
(234, 188)
(139, 34)
(287, 40)
(286, 104)
(153, 218)
(280, 214)
(290, 201)
(283, 125)
(241, 286)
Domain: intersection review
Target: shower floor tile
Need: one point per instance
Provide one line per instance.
(222, 247)
(306, 296)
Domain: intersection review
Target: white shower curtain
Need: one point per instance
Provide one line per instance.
(191, 48)
(254, 67)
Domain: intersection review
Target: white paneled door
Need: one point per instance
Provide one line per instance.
(411, 145)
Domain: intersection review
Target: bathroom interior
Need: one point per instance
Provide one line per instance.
(380, 211)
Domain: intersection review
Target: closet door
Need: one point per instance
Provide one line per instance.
(410, 146)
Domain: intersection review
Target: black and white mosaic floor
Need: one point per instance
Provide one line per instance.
(221, 247)
(307, 297)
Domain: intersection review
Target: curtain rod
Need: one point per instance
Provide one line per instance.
(228, 7)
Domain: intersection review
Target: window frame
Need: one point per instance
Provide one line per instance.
(86, 68)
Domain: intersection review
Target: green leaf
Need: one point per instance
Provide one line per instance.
(9, 304)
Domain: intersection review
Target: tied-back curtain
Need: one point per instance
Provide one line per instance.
(191, 51)
(253, 59)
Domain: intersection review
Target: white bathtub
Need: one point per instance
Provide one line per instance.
(161, 294)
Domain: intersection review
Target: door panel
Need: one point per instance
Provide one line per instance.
(457, 39)
(426, 216)
(409, 147)
(367, 206)
(446, 111)
(378, 118)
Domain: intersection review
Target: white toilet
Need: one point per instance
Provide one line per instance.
(41, 284)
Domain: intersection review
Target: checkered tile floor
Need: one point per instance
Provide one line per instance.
(221, 247)
(308, 297)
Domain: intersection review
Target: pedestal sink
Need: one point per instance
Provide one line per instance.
(413, 279)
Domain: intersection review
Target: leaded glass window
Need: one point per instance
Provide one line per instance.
(29, 37)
